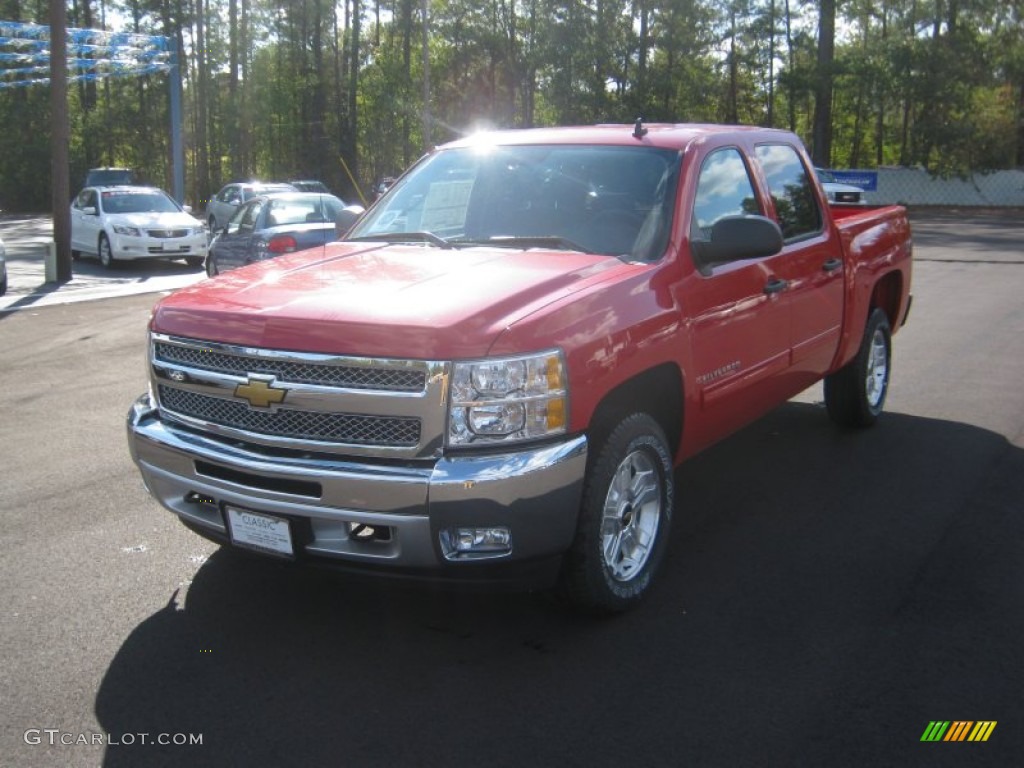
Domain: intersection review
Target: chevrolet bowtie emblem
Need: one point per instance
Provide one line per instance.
(260, 394)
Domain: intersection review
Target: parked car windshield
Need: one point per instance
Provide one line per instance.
(149, 201)
(607, 200)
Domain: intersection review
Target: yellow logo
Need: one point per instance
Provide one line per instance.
(260, 394)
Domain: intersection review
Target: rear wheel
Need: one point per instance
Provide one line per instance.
(106, 255)
(624, 519)
(855, 394)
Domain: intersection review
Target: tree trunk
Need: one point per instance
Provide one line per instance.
(822, 132)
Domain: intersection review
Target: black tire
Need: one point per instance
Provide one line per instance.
(3, 285)
(211, 266)
(619, 544)
(105, 254)
(855, 394)
(194, 261)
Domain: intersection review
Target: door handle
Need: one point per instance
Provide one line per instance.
(775, 285)
(832, 265)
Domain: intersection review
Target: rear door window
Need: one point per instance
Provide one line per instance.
(792, 190)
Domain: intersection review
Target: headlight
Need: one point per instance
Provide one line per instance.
(502, 400)
(121, 229)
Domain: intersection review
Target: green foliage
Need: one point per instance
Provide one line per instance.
(281, 90)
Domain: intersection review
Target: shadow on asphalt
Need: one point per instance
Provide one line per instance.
(90, 276)
(827, 594)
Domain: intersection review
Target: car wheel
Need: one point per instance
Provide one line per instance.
(194, 261)
(3, 285)
(855, 394)
(106, 255)
(211, 266)
(624, 519)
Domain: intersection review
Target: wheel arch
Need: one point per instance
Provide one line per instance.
(887, 295)
(657, 391)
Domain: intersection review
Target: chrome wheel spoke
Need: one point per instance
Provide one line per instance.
(877, 370)
(631, 513)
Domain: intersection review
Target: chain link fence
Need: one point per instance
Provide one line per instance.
(916, 187)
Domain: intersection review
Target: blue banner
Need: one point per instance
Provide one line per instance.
(866, 180)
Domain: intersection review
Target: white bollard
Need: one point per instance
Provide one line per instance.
(51, 262)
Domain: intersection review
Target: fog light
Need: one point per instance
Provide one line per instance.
(471, 543)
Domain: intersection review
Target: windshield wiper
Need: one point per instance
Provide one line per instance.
(402, 237)
(553, 242)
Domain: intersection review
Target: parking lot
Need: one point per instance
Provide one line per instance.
(27, 240)
(826, 596)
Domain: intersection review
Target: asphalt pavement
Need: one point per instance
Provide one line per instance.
(827, 595)
(27, 240)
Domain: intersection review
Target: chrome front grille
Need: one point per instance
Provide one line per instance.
(346, 376)
(301, 401)
(294, 424)
(169, 233)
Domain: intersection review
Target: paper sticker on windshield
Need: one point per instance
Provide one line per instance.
(445, 206)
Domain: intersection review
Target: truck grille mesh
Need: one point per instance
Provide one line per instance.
(347, 428)
(322, 374)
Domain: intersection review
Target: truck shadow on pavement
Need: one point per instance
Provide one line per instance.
(826, 595)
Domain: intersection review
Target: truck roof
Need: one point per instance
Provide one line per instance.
(664, 135)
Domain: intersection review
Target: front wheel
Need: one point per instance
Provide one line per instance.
(855, 394)
(106, 255)
(624, 519)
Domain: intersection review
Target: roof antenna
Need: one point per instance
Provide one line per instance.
(638, 129)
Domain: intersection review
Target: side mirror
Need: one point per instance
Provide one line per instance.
(89, 210)
(346, 219)
(735, 238)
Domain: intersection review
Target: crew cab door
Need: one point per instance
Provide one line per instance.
(739, 312)
(811, 263)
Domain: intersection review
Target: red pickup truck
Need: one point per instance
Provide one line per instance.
(492, 375)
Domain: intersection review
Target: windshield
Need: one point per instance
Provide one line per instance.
(138, 202)
(615, 201)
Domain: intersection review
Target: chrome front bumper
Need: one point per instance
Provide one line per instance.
(534, 492)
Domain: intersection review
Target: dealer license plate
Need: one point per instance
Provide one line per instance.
(258, 531)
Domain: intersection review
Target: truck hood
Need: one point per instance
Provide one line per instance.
(401, 301)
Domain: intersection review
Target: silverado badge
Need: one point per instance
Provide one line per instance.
(260, 393)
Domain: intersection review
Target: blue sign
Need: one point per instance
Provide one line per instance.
(866, 180)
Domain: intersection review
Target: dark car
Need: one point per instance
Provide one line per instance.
(269, 225)
(109, 177)
(225, 203)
